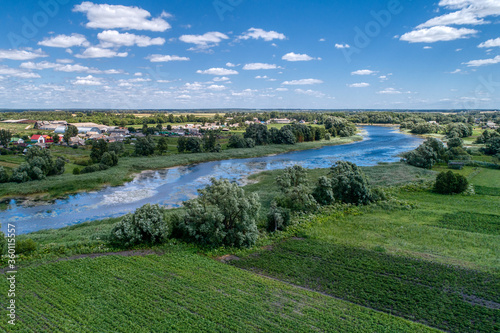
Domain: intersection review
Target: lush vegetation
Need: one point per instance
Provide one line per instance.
(39, 164)
(450, 183)
(146, 225)
(416, 254)
(222, 214)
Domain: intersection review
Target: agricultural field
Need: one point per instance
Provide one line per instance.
(429, 258)
(192, 293)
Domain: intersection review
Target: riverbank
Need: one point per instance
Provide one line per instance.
(60, 186)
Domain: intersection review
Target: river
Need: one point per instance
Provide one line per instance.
(169, 187)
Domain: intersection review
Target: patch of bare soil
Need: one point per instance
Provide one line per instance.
(227, 258)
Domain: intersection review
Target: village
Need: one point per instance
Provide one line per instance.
(88, 132)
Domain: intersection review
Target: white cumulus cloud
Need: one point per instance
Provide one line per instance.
(268, 36)
(483, 62)
(363, 72)
(113, 38)
(342, 46)
(302, 82)
(217, 71)
(15, 72)
(437, 34)
(27, 54)
(106, 16)
(98, 52)
(65, 41)
(490, 43)
(258, 66)
(297, 57)
(165, 58)
(221, 79)
(87, 81)
(359, 85)
(389, 91)
(205, 41)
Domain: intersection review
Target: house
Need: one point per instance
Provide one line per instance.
(48, 139)
(37, 138)
(16, 141)
(282, 121)
(491, 125)
(119, 131)
(77, 141)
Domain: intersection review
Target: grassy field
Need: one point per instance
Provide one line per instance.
(429, 258)
(57, 186)
(191, 294)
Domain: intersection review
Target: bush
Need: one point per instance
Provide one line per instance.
(145, 146)
(94, 168)
(25, 246)
(327, 137)
(450, 183)
(295, 192)
(4, 177)
(455, 142)
(146, 225)
(492, 146)
(323, 193)
(427, 154)
(349, 184)
(222, 214)
(109, 158)
(76, 170)
(278, 218)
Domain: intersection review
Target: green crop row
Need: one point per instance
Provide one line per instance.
(441, 296)
(472, 222)
(177, 292)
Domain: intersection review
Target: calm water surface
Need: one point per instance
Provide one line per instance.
(170, 187)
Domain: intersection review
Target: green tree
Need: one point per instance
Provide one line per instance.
(427, 154)
(56, 138)
(117, 147)
(222, 214)
(146, 225)
(4, 177)
(492, 146)
(349, 183)
(210, 142)
(295, 193)
(450, 183)
(162, 145)
(99, 147)
(109, 158)
(181, 144)
(278, 218)
(455, 142)
(5, 136)
(145, 146)
(259, 133)
(323, 193)
(70, 132)
(194, 145)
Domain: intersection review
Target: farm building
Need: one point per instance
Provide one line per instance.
(16, 141)
(37, 138)
(81, 130)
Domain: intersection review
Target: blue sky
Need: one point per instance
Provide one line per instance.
(124, 54)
